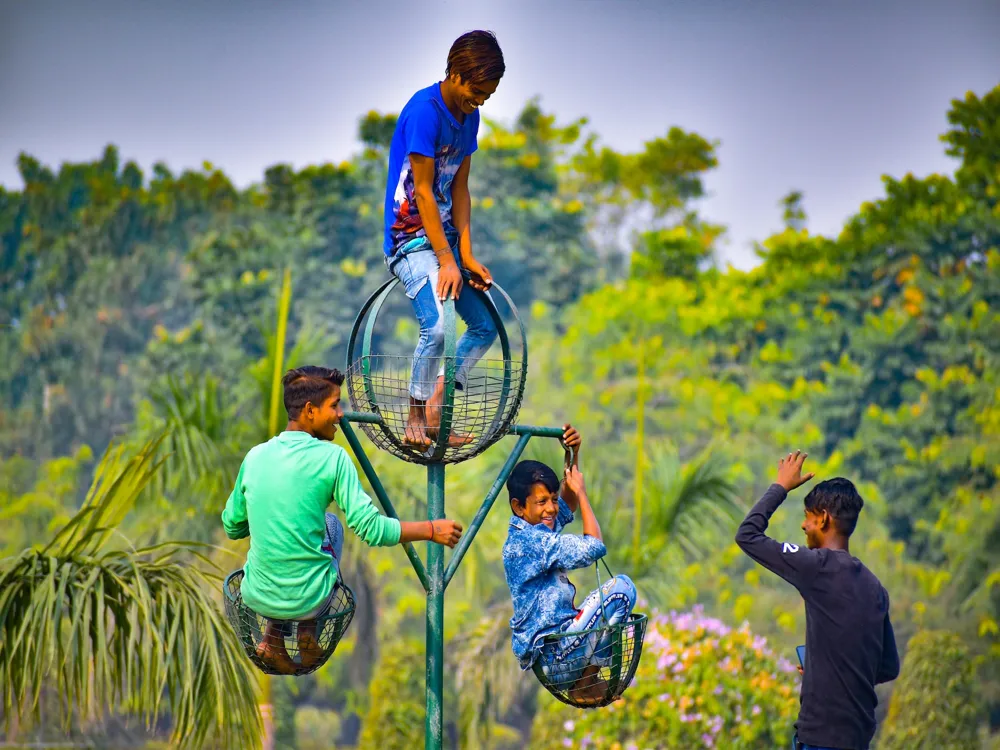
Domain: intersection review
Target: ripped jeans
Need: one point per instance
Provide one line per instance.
(418, 272)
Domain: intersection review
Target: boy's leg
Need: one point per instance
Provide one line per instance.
(418, 271)
(310, 650)
(272, 649)
(479, 336)
(619, 597)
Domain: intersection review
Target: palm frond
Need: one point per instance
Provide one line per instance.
(122, 628)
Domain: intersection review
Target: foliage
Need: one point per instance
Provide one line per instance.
(395, 718)
(136, 304)
(121, 627)
(936, 702)
(700, 684)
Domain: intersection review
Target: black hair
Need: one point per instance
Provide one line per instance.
(309, 384)
(839, 498)
(527, 474)
(476, 57)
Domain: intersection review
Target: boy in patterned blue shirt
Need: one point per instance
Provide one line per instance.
(536, 557)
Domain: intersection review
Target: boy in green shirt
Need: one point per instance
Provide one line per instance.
(280, 499)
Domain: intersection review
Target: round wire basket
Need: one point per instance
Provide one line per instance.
(473, 415)
(309, 644)
(616, 650)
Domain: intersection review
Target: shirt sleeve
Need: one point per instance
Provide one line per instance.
(795, 564)
(888, 668)
(421, 129)
(234, 517)
(362, 516)
(571, 551)
(472, 143)
(564, 517)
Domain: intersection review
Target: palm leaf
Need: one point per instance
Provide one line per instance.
(131, 629)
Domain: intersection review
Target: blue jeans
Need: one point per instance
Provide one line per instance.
(333, 545)
(418, 271)
(564, 660)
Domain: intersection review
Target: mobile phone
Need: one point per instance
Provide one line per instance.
(801, 651)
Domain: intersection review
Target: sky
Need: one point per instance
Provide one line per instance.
(819, 96)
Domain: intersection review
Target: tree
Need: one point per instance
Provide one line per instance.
(936, 701)
(112, 627)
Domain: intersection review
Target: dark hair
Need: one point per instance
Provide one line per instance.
(476, 57)
(527, 474)
(309, 384)
(840, 499)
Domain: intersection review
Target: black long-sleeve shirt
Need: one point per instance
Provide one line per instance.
(850, 646)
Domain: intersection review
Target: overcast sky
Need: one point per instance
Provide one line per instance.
(822, 96)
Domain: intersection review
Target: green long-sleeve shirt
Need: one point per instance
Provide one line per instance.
(280, 499)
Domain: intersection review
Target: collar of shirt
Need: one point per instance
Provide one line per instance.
(436, 95)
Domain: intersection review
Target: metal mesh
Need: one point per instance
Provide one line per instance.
(481, 412)
(592, 681)
(295, 647)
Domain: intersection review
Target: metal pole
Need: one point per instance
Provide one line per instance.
(469, 536)
(434, 722)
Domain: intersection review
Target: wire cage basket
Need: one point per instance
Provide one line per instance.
(307, 644)
(599, 675)
(473, 415)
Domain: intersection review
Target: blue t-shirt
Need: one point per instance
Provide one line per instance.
(428, 128)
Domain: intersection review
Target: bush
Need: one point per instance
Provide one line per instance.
(699, 684)
(935, 703)
(395, 716)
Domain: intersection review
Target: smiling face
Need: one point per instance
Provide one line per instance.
(471, 96)
(321, 421)
(540, 507)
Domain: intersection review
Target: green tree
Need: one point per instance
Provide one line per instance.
(936, 701)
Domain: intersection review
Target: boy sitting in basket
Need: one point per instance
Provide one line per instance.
(536, 557)
(280, 499)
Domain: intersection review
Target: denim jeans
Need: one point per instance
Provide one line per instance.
(333, 545)
(565, 660)
(418, 271)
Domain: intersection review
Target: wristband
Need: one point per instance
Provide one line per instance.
(431, 537)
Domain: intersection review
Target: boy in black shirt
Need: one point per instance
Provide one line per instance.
(850, 646)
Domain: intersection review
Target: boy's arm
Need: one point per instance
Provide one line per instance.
(378, 530)
(461, 214)
(449, 275)
(362, 516)
(571, 551)
(234, 517)
(888, 668)
(790, 561)
(572, 440)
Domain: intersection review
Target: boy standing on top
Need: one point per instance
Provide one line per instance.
(850, 646)
(428, 236)
(280, 499)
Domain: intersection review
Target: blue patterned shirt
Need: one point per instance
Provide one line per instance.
(535, 561)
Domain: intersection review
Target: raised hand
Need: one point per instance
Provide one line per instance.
(790, 471)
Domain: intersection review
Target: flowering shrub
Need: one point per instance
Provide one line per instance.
(699, 684)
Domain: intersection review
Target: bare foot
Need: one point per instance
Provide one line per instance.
(416, 433)
(276, 656)
(310, 651)
(434, 418)
(591, 688)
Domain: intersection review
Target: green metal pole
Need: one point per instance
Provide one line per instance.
(434, 722)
